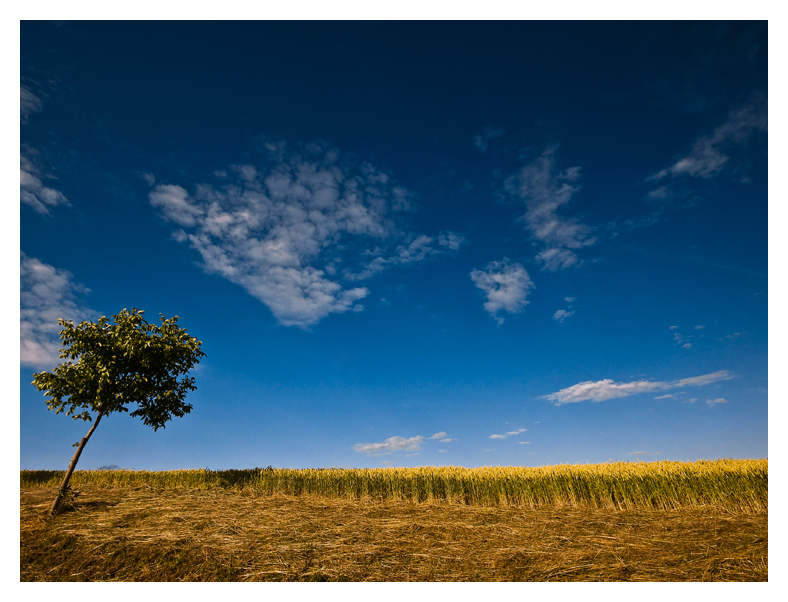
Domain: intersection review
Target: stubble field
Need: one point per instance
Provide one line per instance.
(120, 528)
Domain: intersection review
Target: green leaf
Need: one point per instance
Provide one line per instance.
(121, 362)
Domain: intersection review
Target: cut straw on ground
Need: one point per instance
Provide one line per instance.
(140, 534)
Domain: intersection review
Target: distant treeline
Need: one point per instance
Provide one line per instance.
(737, 484)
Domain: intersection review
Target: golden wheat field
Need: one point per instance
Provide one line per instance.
(656, 521)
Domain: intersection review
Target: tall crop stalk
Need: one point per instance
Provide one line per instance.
(622, 485)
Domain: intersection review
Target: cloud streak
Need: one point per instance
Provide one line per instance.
(506, 286)
(508, 434)
(603, 390)
(289, 230)
(46, 294)
(710, 155)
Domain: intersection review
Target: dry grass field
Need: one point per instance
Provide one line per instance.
(142, 533)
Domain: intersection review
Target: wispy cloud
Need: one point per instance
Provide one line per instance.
(563, 314)
(608, 389)
(693, 258)
(658, 193)
(508, 434)
(28, 103)
(667, 396)
(681, 339)
(418, 249)
(544, 191)
(735, 335)
(442, 437)
(480, 141)
(710, 155)
(148, 177)
(714, 402)
(32, 190)
(46, 294)
(506, 286)
(389, 446)
(289, 230)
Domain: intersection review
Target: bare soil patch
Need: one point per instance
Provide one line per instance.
(141, 534)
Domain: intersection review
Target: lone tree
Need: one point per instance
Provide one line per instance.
(113, 364)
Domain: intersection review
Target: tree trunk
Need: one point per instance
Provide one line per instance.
(53, 509)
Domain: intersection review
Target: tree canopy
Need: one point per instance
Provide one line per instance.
(116, 363)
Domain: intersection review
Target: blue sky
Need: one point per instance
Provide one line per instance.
(404, 244)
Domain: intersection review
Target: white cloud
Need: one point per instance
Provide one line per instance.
(699, 381)
(699, 327)
(509, 434)
(32, 190)
(46, 294)
(447, 440)
(506, 286)
(544, 191)
(711, 154)
(28, 103)
(569, 299)
(283, 230)
(667, 396)
(176, 205)
(562, 315)
(389, 446)
(714, 402)
(451, 240)
(607, 389)
(681, 339)
(440, 435)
